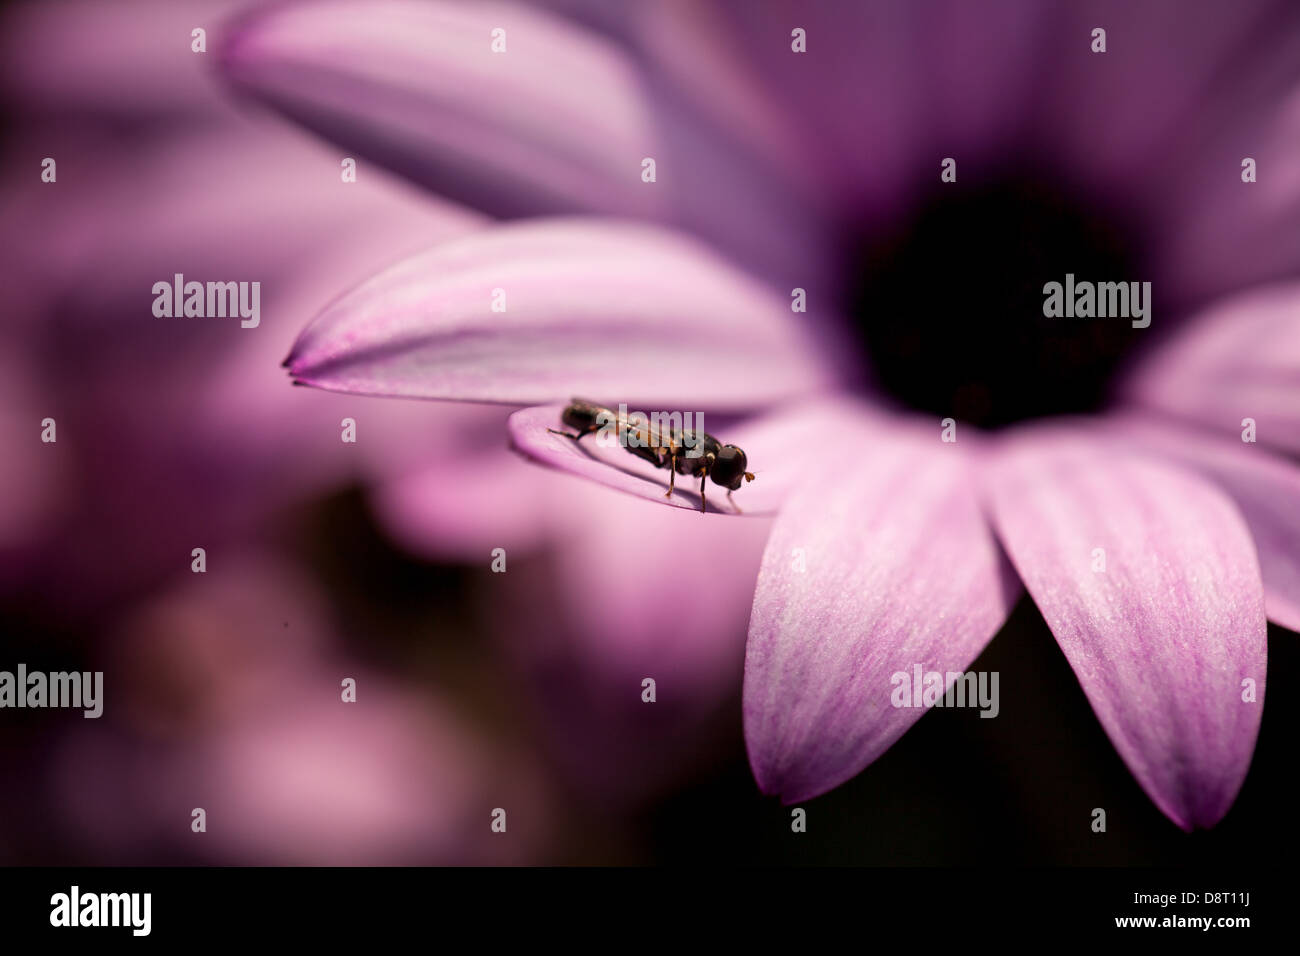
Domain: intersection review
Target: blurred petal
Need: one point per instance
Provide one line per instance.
(464, 492)
(124, 217)
(1235, 234)
(630, 594)
(1157, 126)
(692, 54)
(1163, 639)
(462, 506)
(956, 75)
(901, 569)
(1240, 359)
(212, 440)
(555, 123)
(729, 164)
(120, 61)
(1125, 109)
(559, 123)
(248, 424)
(613, 311)
(1265, 487)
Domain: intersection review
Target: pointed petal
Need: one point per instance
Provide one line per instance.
(1265, 487)
(611, 311)
(555, 123)
(900, 569)
(1239, 360)
(1162, 639)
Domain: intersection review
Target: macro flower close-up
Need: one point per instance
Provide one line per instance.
(887, 217)
(552, 432)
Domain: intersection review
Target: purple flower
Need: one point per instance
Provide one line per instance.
(1153, 539)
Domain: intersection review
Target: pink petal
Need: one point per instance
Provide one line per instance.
(767, 441)
(127, 59)
(1235, 235)
(609, 310)
(691, 50)
(130, 214)
(901, 569)
(1265, 487)
(212, 439)
(465, 493)
(1120, 117)
(1240, 359)
(1163, 639)
(557, 122)
(672, 605)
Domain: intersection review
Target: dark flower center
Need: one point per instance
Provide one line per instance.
(950, 308)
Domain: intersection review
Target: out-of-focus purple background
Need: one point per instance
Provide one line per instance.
(372, 560)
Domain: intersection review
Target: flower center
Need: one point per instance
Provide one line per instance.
(950, 309)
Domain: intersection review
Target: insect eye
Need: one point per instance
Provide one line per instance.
(732, 458)
(729, 469)
(579, 416)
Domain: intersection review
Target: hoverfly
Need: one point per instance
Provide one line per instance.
(708, 458)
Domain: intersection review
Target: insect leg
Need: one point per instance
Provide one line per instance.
(672, 471)
(576, 437)
(646, 454)
(709, 459)
(733, 504)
